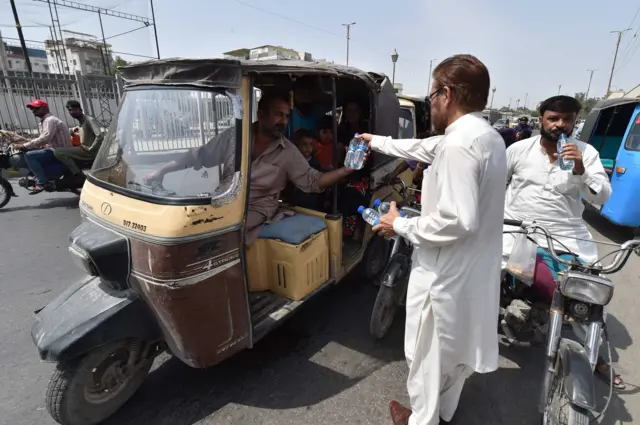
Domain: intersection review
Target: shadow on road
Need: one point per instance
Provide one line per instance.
(291, 368)
(618, 234)
(68, 203)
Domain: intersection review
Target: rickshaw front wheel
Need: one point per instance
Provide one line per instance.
(89, 389)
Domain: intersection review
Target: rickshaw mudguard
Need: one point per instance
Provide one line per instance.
(87, 315)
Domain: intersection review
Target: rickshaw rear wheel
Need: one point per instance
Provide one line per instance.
(89, 389)
(375, 257)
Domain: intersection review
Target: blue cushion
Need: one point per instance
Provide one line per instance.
(294, 229)
(607, 163)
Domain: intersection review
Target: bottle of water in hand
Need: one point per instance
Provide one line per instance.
(353, 146)
(358, 157)
(565, 164)
(385, 207)
(369, 215)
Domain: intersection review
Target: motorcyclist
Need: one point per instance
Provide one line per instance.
(53, 134)
(539, 190)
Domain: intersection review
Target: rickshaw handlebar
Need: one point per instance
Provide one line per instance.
(619, 261)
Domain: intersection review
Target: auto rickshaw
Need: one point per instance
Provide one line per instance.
(167, 266)
(613, 128)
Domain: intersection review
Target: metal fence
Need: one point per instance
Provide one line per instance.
(99, 96)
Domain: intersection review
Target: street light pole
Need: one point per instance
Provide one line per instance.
(615, 56)
(517, 104)
(559, 88)
(394, 59)
(526, 96)
(348, 38)
(430, 69)
(509, 107)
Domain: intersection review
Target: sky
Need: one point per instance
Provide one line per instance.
(530, 48)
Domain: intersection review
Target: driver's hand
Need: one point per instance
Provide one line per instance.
(19, 146)
(153, 177)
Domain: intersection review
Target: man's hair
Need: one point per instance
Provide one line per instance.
(268, 98)
(325, 123)
(74, 104)
(524, 119)
(468, 79)
(562, 104)
(301, 133)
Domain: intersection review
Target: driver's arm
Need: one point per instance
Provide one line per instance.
(301, 174)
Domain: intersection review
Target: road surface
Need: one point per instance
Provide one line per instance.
(321, 368)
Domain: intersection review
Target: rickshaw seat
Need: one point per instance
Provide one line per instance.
(607, 163)
(294, 229)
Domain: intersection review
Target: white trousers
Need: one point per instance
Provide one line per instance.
(433, 395)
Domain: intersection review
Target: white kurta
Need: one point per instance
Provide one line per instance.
(453, 294)
(539, 190)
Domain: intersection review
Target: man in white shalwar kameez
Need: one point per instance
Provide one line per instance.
(453, 295)
(539, 190)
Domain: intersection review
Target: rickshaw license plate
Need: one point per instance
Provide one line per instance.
(134, 226)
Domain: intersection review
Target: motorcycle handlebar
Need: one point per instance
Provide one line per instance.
(616, 265)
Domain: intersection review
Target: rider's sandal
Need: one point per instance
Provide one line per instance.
(618, 382)
(37, 189)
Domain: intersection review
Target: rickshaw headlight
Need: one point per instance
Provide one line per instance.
(587, 288)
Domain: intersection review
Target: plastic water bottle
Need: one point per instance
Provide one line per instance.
(384, 207)
(358, 157)
(369, 215)
(353, 146)
(565, 164)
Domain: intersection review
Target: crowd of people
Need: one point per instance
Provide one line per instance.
(453, 293)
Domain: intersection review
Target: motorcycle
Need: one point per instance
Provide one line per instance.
(392, 292)
(568, 392)
(12, 160)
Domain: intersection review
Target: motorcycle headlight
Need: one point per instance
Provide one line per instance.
(587, 288)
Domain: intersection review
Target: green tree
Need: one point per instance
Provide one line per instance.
(587, 104)
(116, 63)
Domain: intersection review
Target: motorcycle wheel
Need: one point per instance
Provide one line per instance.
(559, 409)
(375, 257)
(88, 390)
(387, 301)
(6, 191)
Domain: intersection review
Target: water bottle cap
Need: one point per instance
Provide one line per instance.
(360, 209)
(376, 203)
(356, 135)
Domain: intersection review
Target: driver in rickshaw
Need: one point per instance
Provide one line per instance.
(275, 161)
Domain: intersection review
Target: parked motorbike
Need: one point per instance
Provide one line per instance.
(12, 160)
(392, 292)
(568, 393)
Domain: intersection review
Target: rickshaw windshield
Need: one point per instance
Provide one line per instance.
(172, 143)
(633, 139)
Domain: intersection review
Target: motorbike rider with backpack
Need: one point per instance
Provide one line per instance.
(539, 190)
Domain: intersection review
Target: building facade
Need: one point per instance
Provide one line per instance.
(12, 58)
(90, 57)
(268, 52)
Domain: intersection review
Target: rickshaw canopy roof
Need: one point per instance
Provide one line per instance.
(228, 73)
(592, 120)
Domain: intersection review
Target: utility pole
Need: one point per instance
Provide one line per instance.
(615, 56)
(517, 104)
(493, 93)
(509, 107)
(21, 36)
(591, 71)
(348, 38)
(430, 70)
(155, 29)
(526, 96)
(559, 88)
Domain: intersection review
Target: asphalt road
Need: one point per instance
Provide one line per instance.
(320, 368)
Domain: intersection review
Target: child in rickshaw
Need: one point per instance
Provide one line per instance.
(304, 141)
